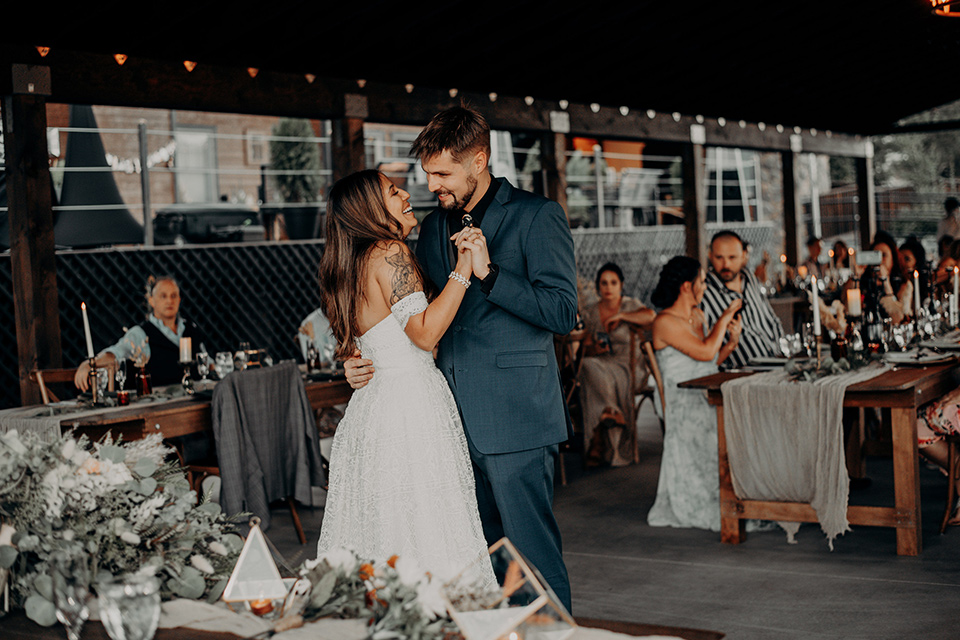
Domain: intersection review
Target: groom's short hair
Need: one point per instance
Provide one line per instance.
(459, 130)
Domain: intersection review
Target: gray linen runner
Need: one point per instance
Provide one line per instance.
(785, 442)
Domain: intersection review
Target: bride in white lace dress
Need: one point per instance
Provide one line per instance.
(401, 480)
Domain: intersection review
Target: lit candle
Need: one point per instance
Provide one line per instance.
(916, 293)
(816, 307)
(853, 302)
(783, 269)
(186, 350)
(86, 329)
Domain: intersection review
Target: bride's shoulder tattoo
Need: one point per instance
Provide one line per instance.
(404, 280)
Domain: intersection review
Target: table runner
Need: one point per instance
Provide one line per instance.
(45, 420)
(194, 614)
(785, 442)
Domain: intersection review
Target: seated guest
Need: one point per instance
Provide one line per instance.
(943, 245)
(914, 257)
(950, 224)
(897, 295)
(605, 369)
(728, 279)
(156, 339)
(688, 491)
(934, 421)
(812, 263)
(841, 255)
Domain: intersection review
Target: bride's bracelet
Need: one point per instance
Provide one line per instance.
(459, 278)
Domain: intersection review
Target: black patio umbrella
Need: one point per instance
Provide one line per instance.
(91, 227)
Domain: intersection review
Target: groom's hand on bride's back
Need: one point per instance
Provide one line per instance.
(358, 370)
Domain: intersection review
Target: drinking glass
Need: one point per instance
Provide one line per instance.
(130, 606)
(241, 357)
(103, 381)
(121, 375)
(224, 363)
(71, 587)
(203, 365)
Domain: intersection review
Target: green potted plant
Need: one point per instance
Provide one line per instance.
(296, 166)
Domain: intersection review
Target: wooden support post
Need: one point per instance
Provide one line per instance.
(349, 154)
(32, 253)
(553, 160)
(867, 200)
(694, 201)
(791, 208)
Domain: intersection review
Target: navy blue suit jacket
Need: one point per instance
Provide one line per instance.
(498, 354)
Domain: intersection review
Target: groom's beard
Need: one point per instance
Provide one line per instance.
(458, 203)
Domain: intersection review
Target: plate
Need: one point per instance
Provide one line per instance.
(768, 362)
(910, 357)
(943, 343)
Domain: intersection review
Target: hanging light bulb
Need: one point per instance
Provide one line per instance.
(947, 8)
(492, 96)
(676, 116)
(651, 114)
(564, 104)
(624, 110)
(120, 58)
(43, 51)
(722, 122)
(310, 77)
(595, 107)
(699, 119)
(361, 83)
(453, 93)
(762, 126)
(408, 87)
(190, 65)
(528, 101)
(253, 71)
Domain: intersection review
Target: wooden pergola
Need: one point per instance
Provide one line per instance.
(785, 101)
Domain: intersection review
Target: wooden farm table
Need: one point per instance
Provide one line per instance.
(900, 390)
(182, 416)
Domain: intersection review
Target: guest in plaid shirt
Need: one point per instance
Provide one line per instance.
(727, 279)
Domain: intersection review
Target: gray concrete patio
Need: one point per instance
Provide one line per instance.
(622, 569)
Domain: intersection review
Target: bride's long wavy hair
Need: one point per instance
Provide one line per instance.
(357, 222)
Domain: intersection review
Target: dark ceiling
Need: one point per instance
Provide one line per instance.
(854, 66)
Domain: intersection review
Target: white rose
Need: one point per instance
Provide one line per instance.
(201, 564)
(408, 570)
(69, 446)
(69, 535)
(431, 600)
(343, 559)
(12, 440)
(218, 548)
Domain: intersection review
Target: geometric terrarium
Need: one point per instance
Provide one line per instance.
(524, 607)
(256, 576)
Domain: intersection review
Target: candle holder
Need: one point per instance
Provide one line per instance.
(94, 378)
(187, 382)
(144, 388)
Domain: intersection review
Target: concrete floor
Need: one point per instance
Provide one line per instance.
(622, 569)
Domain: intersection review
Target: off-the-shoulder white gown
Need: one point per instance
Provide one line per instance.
(401, 481)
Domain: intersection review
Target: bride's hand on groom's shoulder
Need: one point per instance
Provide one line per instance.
(358, 370)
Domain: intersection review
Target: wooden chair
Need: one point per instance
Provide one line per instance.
(952, 461)
(569, 352)
(647, 347)
(43, 377)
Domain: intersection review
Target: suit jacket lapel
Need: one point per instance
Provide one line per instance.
(497, 211)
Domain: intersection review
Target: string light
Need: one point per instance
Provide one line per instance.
(722, 122)
(43, 51)
(947, 8)
(453, 93)
(310, 77)
(253, 71)
(676, 116)
(699, 119)
(529, 101)
(624, 110)
(408, 87)
(595, 107)
(564, 104)
(120, 58)
(743, 124)
(492, 96)
(651, 114)
(361, 83)
(762, 126)
(779, 128)
(190, 65)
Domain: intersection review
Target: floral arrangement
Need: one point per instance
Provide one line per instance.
(125, 505)
(397, 598)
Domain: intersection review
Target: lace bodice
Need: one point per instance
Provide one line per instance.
(386, 343)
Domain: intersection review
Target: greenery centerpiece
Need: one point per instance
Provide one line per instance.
(124, 505)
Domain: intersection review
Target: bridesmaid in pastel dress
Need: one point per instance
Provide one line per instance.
(688, 491)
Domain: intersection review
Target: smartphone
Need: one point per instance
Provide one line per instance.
(869, 258)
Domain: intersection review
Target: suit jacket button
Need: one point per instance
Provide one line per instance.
(458, 328)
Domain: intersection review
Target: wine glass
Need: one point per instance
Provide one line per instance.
(203, 365)
(121, 375)
(71, 587)
(130, 606)
(224, 363)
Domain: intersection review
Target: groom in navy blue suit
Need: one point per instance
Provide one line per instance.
(498, 354)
